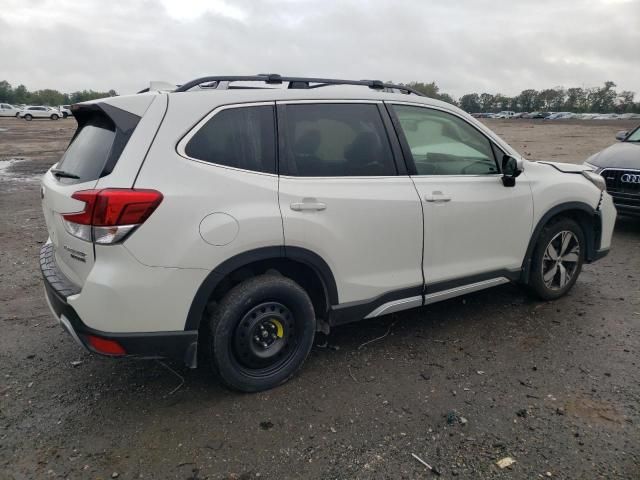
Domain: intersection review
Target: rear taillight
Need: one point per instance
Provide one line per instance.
(110, 215)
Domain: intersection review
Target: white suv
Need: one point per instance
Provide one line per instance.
(8, 110)
(242, 220)
(39, 111)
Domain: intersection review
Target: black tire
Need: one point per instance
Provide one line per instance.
(239, 354)
(54, 117)
(28, 117)
(555, 286)
(65, 114)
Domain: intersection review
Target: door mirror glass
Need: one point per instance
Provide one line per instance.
(621, 135)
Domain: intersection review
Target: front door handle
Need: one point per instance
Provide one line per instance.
(437, 197)
(308, 205)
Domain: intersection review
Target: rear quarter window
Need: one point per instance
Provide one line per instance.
(239, 137)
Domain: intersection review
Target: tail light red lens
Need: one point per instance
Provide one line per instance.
(111, 213)
(105, 346)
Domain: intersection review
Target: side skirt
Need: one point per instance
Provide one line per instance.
(417, 296)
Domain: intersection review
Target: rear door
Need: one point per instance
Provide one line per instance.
(92, 153)
(344, 196)
(475, 227)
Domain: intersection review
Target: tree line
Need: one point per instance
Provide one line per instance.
(20, 95)
(604, 99)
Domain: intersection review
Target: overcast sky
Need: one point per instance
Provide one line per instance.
(463, 45)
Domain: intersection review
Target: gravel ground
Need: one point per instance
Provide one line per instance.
(462, 384)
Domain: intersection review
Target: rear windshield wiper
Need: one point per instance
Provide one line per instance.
(61, 173)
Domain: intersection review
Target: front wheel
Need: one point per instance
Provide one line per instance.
(557, 259)
(261, 333)
(54, 117)
(28, 117)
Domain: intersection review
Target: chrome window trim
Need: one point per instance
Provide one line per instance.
(324, 100)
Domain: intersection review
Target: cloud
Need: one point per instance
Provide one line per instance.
(467, 45)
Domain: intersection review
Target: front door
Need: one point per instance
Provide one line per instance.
(476, 229)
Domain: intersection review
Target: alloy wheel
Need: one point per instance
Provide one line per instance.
(560, 260)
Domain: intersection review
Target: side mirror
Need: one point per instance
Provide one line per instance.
(511, 168)
(621, 135)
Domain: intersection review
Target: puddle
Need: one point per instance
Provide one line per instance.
(21, 170)
(4, 129)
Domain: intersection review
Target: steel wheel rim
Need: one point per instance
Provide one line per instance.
(265, 339)
(560, 260)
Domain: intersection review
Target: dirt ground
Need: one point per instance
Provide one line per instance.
(462, 384)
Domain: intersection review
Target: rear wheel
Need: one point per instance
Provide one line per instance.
(261, 333)
(28, 117)
(557, 259)
(65, 114)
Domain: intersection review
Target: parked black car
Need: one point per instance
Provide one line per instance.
(619, 164)
(537, 115)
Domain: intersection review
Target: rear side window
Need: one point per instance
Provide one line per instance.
(337, 140)
(242, 137)
(89, 150)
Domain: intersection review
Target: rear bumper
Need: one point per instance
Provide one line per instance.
(177, 345)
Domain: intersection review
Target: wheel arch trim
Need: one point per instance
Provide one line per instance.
(217, 275)
(590, 235)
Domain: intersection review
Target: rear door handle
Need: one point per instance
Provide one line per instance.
(437, 197)
(308, 205)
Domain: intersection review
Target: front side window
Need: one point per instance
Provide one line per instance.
(443, 144)
(336, 140)
(242, 137)
(635, 136)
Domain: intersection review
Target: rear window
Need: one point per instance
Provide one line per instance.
(242, 137)
(89, 150)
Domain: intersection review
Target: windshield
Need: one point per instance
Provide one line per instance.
(635, 136)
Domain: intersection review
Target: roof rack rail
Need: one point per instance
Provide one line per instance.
(296, 82)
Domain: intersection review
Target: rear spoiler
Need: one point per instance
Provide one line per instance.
(159, 86)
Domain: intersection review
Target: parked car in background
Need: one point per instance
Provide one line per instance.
(176, 224)
(520, 115)
(65, 110)
(504, 114)
(606, 116)
(40, 111)
(8, 110)
(559, 116)
(587, 116)
(629, 116)
(619, 164)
